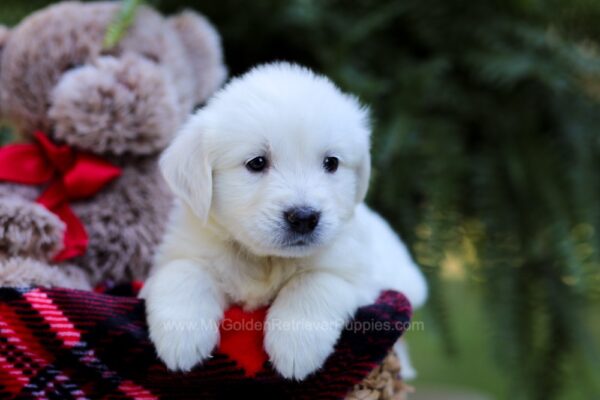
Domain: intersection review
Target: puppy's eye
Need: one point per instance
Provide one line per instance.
(331, 164)
(257, 164)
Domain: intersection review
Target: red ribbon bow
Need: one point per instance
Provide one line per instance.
(70, 175)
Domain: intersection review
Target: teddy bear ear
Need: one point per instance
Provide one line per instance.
(4, 33)
(202, 44)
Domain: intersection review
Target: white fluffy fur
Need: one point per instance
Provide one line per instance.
(226, 240)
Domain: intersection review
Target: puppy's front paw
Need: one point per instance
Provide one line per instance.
(183, 310)
(183, 344)
(299, 347)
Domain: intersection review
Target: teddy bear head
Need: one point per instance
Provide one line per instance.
(57, 76)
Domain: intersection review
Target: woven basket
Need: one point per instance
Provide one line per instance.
(383, 383)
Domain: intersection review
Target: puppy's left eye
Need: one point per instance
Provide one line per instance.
(331, 164)
(257, 164)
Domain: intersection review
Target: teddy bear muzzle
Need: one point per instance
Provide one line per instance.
(115, 106)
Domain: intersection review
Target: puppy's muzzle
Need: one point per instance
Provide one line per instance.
(302, 220)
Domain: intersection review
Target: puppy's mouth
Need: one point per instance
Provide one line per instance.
(300, 241)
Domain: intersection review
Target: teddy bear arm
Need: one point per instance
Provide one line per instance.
(27, 229)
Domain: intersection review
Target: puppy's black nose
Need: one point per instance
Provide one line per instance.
(302, 219)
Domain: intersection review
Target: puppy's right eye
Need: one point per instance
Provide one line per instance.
(257, 164)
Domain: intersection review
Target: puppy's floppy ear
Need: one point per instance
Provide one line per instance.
(364, 175)
(186, 168)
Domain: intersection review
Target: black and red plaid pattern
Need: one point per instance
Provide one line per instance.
(67, 344)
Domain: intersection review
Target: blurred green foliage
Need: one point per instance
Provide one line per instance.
(486, 150)
(123, 20)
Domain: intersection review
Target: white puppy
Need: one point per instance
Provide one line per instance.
(271, 176)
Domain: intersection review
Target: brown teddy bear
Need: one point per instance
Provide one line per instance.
(93, 114)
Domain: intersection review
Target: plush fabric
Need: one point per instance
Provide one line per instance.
(59, 343)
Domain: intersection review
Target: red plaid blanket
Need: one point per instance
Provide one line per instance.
(67, 344)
